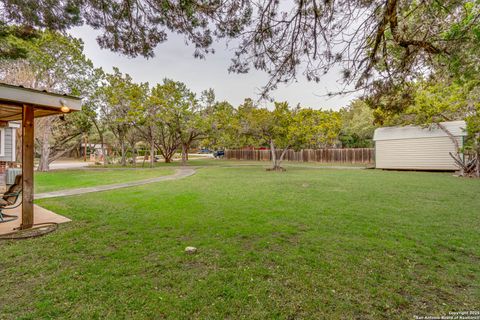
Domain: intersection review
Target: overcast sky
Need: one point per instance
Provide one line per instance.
(173, 59)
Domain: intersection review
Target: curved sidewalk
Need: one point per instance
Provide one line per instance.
(179, 174)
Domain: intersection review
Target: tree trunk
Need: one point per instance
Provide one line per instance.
(167, 153)
(276, 162)
(102, 142)
(274, 155)
(282, 156)
(152, 153)
(184, 155)
(468, 168)
(460, 161)
(144, 156)
(477, 157)
(43, 164)
(123, 160)
(477, 154)
(134, 156)
(478, 166)
(44, 156)
(85, 142)
(104, 151)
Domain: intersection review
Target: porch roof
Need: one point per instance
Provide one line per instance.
(19, 103)
(12, 98)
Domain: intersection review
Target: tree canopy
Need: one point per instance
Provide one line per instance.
(378, 44)
(358, 125)
(121, 95)
(52, 62)
(408, 79)
(432, 102)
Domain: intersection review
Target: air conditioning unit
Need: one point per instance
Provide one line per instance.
(11, 174)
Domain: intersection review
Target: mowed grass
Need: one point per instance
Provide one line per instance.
(80, 178)
(304, 244)
(211, 162)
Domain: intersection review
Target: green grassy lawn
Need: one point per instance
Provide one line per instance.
(80, 178)
(304, 244)
(203, 162)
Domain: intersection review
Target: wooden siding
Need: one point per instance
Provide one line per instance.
(9, 149)
(416, 154)
(353, 155)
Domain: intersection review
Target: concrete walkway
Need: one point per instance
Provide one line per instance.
(179, 174)
(69, 164)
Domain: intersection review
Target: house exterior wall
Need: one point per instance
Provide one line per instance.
(7, 138)
(427, 153)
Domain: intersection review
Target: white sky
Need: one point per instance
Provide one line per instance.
(174, 60)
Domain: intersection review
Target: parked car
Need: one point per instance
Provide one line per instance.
(204, 150)
(219, 154)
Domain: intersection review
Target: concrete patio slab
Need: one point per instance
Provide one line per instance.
(41, 215)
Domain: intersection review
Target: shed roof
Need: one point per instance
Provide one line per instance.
(457, 128)
(45, 103)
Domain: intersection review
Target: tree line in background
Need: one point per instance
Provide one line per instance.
(169, 117)
(407, 58)
(165, 118)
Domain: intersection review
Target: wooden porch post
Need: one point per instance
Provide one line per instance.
(27, 166)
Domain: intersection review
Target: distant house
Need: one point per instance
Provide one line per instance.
(7, 141)
(94, 151)
(417, 148)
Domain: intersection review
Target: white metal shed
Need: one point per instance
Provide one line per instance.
(417, 148)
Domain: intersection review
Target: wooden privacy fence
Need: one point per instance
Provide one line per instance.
(352, 155)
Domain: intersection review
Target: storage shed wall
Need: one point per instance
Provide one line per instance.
(430, 153)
